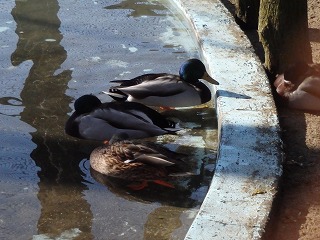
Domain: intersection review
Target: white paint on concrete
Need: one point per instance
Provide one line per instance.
(248, 166)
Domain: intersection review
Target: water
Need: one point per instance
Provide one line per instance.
(55, 51)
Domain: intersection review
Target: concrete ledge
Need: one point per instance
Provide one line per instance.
(249, 159)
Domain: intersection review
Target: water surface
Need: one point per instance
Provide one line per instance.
(55, 51)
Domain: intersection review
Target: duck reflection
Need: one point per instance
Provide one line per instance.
(165, 219)
(179, 196)
(45, 108)
(162, 222)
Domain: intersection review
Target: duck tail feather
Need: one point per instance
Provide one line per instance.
(172, 130)
(119, 81)
(116, 94)
(126, 83)
(182, 174)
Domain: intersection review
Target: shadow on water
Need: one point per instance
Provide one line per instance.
(45, 108)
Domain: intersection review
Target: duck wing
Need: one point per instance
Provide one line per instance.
(162, 86)
(94, 128)
(139, 79)
(119, 95)
(142, 112)
(104, 122)
(144, 154)
(127, 119)
(156, 161)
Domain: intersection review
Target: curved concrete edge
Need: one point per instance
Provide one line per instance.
(248, 168)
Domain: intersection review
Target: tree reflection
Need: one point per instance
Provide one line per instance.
(139, 8)
(45, 108)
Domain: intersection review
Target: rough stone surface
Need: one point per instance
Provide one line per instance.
(240, 197)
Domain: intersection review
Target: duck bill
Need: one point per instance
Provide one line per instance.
(279, 80)
(209, 79)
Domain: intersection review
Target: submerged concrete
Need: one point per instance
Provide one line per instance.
(248, 167)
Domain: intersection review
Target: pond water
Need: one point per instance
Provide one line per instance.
(54, 51)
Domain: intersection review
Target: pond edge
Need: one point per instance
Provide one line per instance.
(248, 169)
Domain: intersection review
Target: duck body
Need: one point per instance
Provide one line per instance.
(93, 120)
(299, 86)
(167, 90)
(136, 161)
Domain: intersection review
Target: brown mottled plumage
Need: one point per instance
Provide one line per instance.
(135, 161)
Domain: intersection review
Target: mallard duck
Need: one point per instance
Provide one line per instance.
(137, 161)
(167, 90)
(299, 86)
(94, 120)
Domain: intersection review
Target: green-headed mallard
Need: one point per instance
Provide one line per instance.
(299, 86)
(94, 120)
(167, 90)
(137, 161)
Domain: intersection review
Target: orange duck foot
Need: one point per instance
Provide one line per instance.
(144, 184)
(138, 186)
(166, 108)
(163, 183)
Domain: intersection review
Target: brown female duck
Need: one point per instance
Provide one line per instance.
(137, 162)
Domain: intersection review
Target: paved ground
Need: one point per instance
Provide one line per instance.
(297, 215)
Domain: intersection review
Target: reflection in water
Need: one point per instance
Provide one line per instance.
(45, 108)
(162, 222)
(139, 8)
(179, 197)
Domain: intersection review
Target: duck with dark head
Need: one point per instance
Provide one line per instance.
(167, 90)
(94, 120)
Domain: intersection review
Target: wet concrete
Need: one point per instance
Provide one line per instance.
(55, 51)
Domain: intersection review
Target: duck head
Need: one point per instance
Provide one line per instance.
(293, 77)
(86, 103)
(193, 69)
